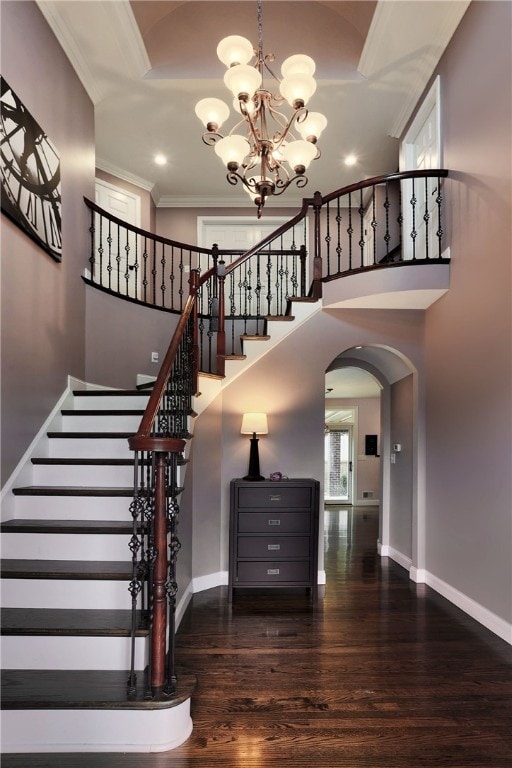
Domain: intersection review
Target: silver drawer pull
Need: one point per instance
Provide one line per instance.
(275, 497)
(274, 522)
(274, 546)
(273, 572)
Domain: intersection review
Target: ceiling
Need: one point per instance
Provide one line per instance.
(145, 64)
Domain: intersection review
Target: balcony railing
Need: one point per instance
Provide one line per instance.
(221, 296)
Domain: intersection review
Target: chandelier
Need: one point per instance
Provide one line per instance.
(262, 150)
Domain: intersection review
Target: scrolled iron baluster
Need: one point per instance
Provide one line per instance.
(327, 238)
(386, 205)
(339, 249)
(439, 233)
(360, 210)
(373, 225)
(350, 232)
(127, 263)
(162, 280)
(414, 233)
(426, 218)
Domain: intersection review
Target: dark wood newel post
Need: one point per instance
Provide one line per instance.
(221, 330)
(317, 258)
(303, 256)
(158, 647)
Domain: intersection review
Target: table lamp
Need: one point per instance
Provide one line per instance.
(254, 424)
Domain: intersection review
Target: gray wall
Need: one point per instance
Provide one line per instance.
(468, 332)
(120, 337)
(401, 472)
(43, 305)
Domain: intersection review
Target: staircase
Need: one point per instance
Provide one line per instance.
(66, 615)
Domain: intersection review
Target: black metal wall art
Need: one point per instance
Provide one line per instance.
(30, 175)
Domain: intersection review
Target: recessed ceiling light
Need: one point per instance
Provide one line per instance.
(350, 160)
(160, 159)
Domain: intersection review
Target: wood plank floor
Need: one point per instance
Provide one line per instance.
(377, 673)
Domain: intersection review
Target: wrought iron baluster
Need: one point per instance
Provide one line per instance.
(426, 217)
(360, 210)
(414, 233)
(439, 233)
(328, 236)
(339, 249)
(350, 231)
(162, 279)
(127, 263)
(386, 205)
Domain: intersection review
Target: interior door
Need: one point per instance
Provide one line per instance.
(338, 466)
(119, 270)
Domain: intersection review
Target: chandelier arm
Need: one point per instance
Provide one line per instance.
(299, 180)
(211, 137)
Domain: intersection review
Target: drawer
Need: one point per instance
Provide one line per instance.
(273, 572)
(273, 546)
(274, 522)
(278, 497)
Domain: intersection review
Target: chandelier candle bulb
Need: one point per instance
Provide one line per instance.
(235, 50)
(212, 113)
(243, 81)
(232, 150)
(298, 89)
(312, 126)
(298, 64)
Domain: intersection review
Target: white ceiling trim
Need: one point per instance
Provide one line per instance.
(120, 173)
(123, 51)
(418, 32)
(181, 201)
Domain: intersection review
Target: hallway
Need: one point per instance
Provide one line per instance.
(377, 673)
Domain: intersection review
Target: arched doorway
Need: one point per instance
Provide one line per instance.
(399, 448)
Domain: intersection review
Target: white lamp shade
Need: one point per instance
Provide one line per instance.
(254, 422)
(298, 64)
(298, 88)
(299, 153)
(232, 149)
(243, 79)
(235, 50)
(212, 111)
(313, 125)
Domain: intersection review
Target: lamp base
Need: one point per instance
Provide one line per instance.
(254, 461)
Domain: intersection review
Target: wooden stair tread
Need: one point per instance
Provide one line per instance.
(109, 393)
(45, 461)
(254, 337)
(91, 435)
(28, 525)
(70, 490)
(281, 318)
(82, 689)
(101, 412)
(61, 621)
(101, 570)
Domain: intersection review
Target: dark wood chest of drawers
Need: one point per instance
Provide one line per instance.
(273, 534)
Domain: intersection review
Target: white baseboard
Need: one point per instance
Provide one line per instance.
(200, 583)
(385, 550)
(478, 612)
(321, 578)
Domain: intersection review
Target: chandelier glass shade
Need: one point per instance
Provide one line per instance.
(266, 150)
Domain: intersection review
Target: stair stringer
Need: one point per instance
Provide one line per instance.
(254, 350)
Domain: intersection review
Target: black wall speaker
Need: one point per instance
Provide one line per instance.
(370, 445)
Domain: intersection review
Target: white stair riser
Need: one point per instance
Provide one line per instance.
(61, 593)
(90, 448)
(106, 423)
(65, 546)
(73, 507)
(88, 476)
(110, 403)
(93, 730)
(71, 652)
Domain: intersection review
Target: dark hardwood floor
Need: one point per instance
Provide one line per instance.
(377, 673)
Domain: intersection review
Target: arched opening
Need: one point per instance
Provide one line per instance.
(387, 452)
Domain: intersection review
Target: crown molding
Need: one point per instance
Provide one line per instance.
(191, 201)
(123, 53)
(120, 173)
(416, 33)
